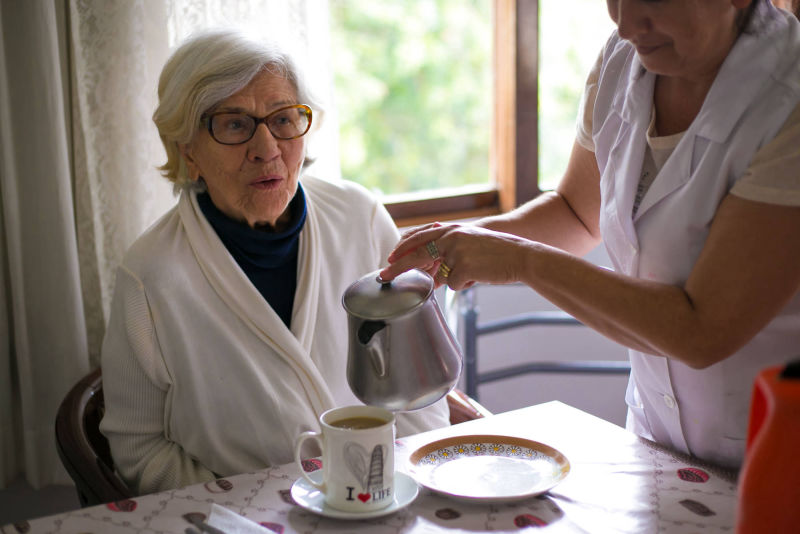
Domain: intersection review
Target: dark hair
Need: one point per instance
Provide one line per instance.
(744, 17)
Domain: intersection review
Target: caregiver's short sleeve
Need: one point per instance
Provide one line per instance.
(583, 134)
(774, 174)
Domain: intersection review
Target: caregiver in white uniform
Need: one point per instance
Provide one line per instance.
(686, 167)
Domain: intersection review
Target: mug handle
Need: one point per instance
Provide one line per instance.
(297, 446)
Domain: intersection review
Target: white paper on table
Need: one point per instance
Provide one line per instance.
(230, 522)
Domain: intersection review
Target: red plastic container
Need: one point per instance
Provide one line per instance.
(769, 483)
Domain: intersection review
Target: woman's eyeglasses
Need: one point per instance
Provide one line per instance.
(231, 128)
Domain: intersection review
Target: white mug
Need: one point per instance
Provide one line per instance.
(357, 463)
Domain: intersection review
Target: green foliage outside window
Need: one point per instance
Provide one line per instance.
(413, 85)
(413, 92)
(571, 35)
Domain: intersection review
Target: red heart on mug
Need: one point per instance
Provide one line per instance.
(363, 497)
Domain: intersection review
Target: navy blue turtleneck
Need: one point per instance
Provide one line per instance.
(268, 259)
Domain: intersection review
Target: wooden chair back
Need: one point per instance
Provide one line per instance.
(83, 450)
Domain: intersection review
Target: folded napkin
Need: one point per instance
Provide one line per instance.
(230, 522)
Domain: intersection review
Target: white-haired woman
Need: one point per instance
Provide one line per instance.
(227, 337)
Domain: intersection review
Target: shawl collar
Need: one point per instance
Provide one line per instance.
(238, 293)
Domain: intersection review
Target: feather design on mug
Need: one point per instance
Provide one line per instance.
(355, 458)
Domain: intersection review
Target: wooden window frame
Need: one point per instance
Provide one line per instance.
(514, 146)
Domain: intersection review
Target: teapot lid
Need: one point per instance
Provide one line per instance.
(371, 298)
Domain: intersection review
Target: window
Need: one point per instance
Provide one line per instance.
(414, 99)
(505, 97)
(461, 79)
(570, 38)
(413, 92)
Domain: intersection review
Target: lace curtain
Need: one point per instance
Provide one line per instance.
(119, 49)
(78, 179)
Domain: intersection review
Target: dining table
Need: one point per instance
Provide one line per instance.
(610, 481)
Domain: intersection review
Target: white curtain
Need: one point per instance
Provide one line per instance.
(44, 349)
(78, 180)
(117, 50)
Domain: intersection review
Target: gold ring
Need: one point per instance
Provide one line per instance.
(444, 270)
(430, 246)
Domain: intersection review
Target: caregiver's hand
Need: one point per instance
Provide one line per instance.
(460, 255)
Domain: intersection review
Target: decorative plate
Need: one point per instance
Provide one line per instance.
(488, 467)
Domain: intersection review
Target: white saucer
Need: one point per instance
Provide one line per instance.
(488, 468)
(310, 498)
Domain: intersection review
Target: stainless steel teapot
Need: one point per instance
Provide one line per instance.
(402, 355)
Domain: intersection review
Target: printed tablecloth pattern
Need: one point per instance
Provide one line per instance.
(617, 483)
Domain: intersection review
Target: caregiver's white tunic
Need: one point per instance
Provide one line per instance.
(702, 412)
(201, 377)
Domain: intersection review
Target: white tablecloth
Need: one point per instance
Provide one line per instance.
(617, 483)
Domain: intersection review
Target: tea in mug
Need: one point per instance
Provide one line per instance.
(358, 423)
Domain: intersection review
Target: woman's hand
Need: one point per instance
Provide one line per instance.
(460, 255)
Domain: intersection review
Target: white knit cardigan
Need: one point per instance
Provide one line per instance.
(201, 377)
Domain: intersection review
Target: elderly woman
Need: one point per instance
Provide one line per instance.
(686, 167)
(227, 337)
